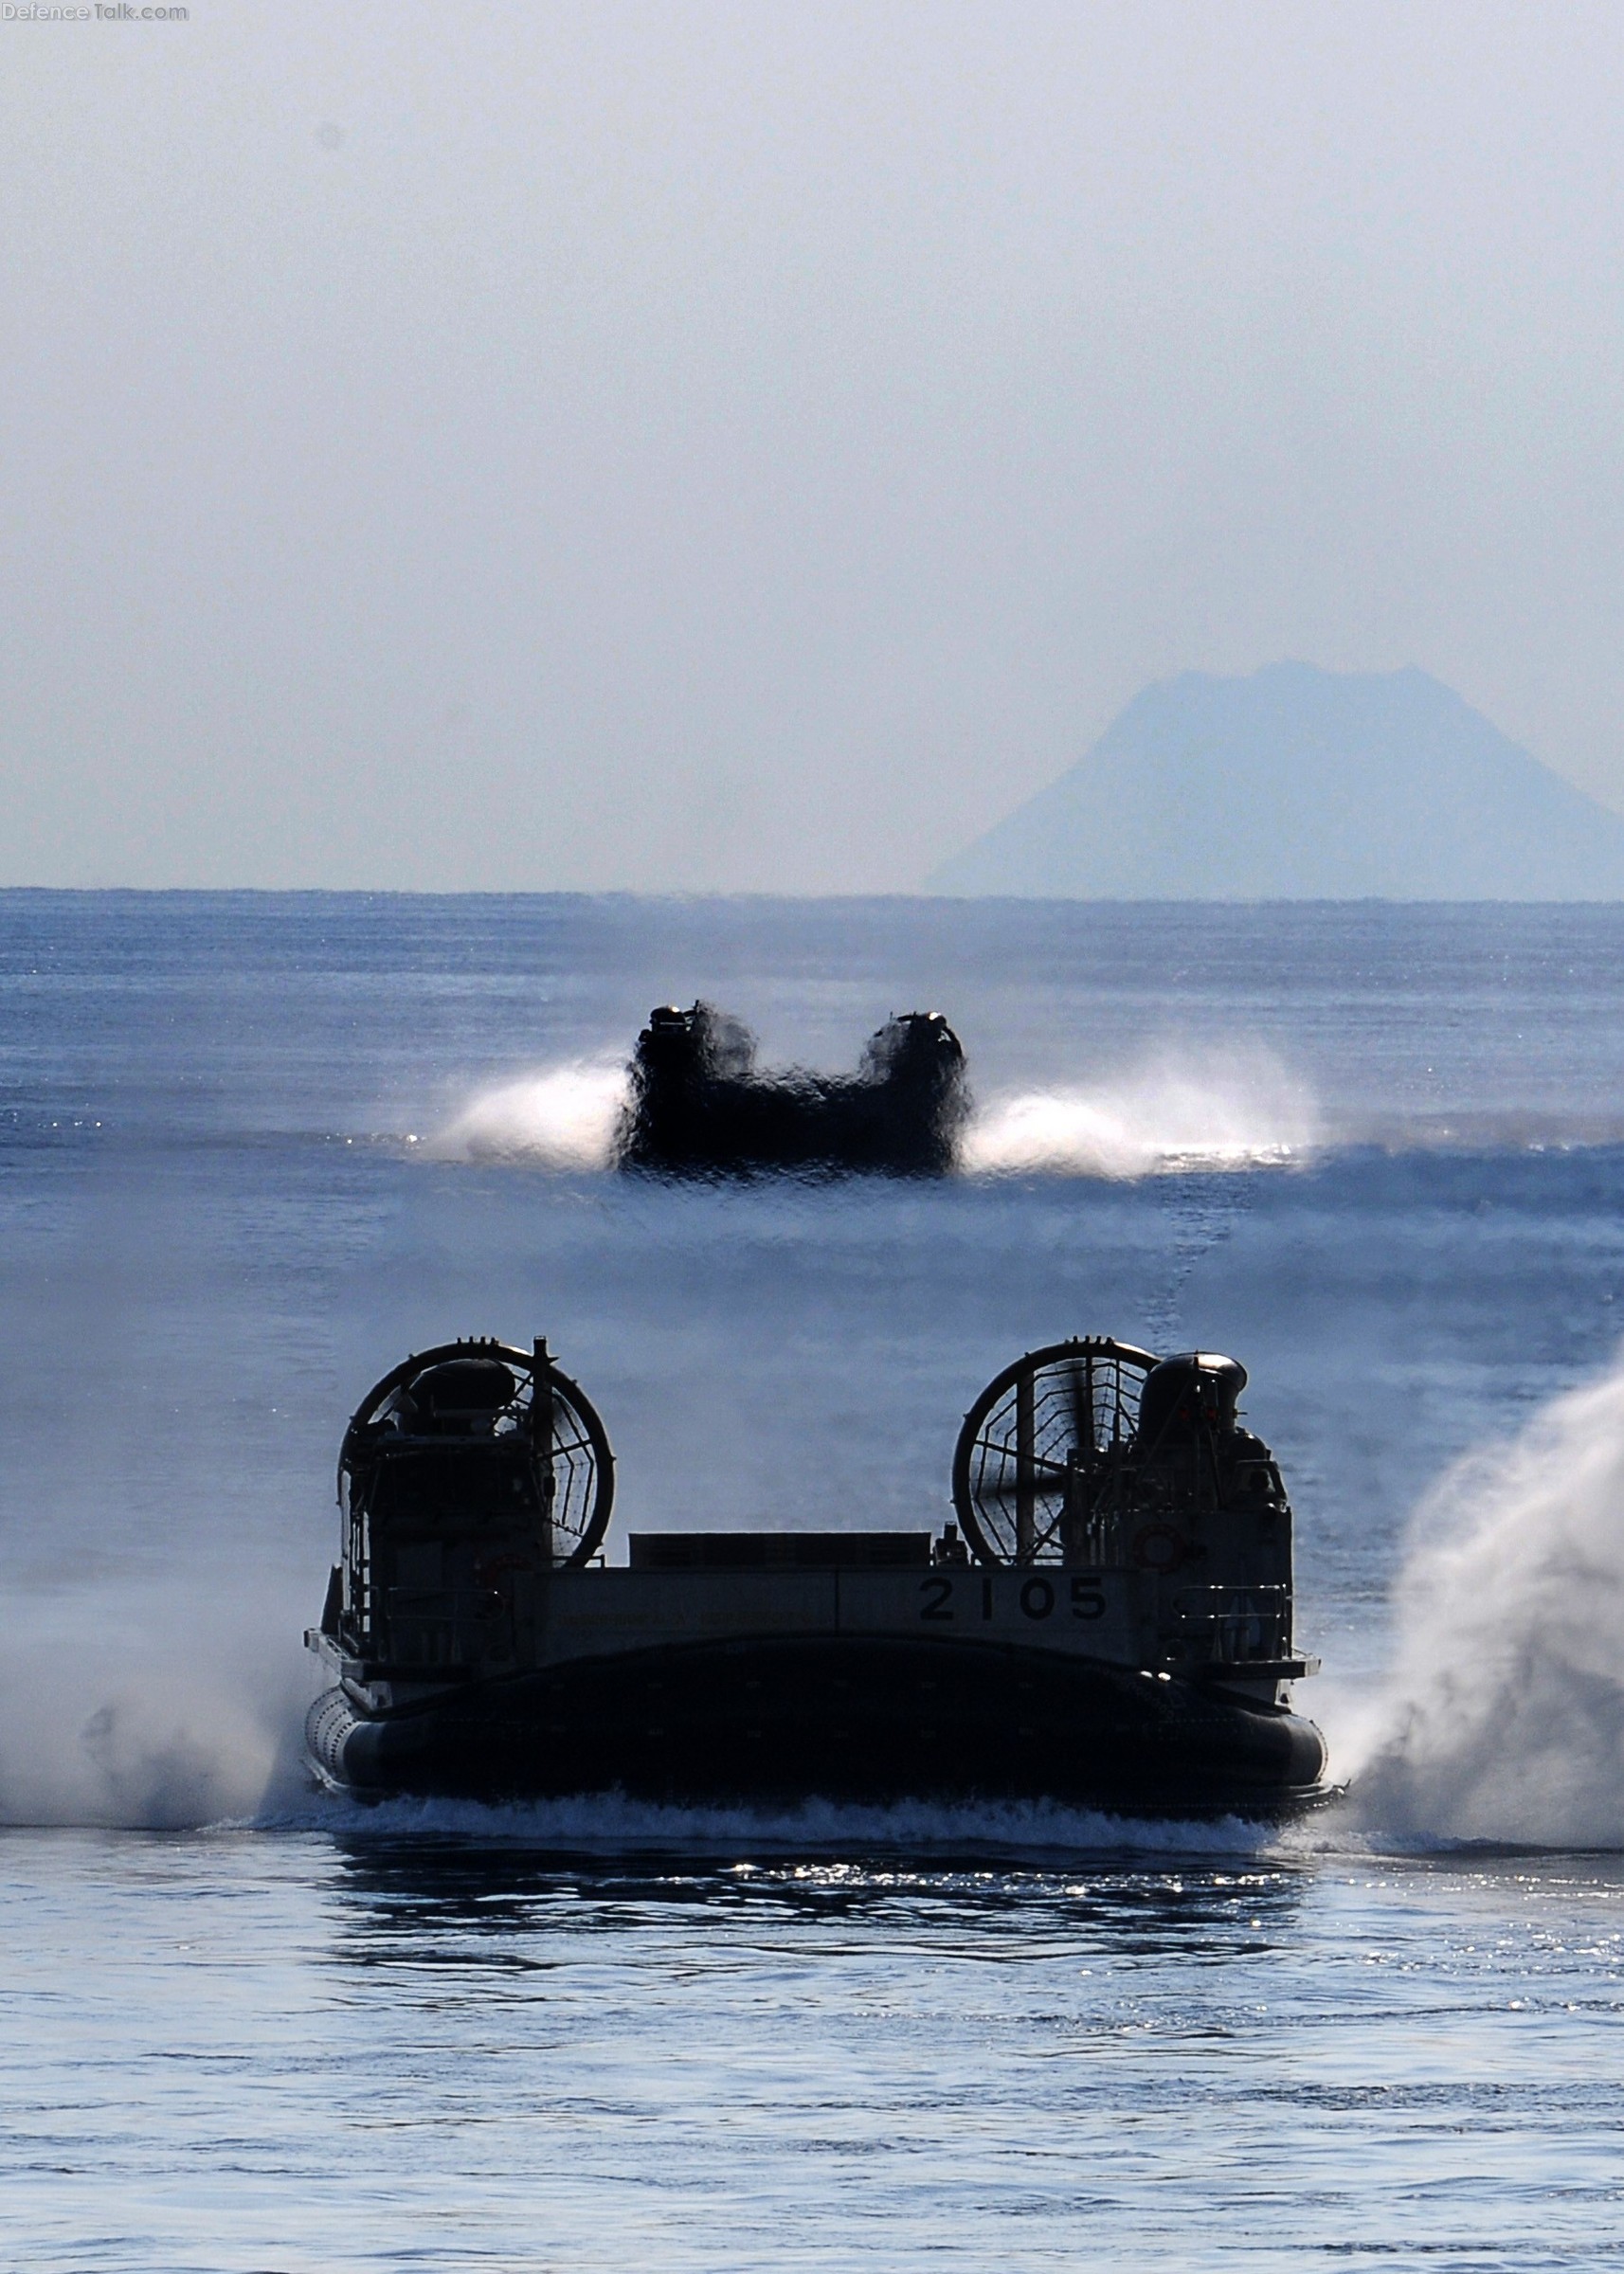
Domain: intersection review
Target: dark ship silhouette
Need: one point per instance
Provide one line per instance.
(1108, 1620)
(697, 1102)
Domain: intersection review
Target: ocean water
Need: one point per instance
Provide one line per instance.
(254, 1149)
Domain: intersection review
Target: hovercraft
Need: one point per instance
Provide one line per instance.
(698, 1103)
(1108, 1621)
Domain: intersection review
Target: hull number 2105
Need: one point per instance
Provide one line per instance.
(971, 1596)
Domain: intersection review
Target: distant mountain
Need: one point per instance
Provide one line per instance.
(1301, 785)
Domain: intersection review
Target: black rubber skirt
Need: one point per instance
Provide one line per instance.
(847, 1718)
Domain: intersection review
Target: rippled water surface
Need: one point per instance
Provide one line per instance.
(253, 1150)
(305, 2052)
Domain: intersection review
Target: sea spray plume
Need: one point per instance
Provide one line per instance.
(1506, 1713)
(698, 1103)
(1179, 1109)
(564, 1118)
(100, 1723)
(1180, 1106)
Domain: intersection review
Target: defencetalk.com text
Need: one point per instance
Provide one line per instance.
(112, 11)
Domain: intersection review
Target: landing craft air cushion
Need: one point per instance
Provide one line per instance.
(699, 1105)
(1108, 1621)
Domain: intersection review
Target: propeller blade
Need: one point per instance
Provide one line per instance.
(1080, 1406)
(1051, 1485)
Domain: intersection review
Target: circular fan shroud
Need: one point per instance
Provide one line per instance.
(583, 1465)
(1041, 1450)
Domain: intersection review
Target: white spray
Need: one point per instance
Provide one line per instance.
(161, 1706)
(563, 1117)
(1179, 1109)
(1176, 1109)
(1505, 1718)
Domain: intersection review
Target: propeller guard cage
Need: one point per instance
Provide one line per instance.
(487, 1453)
(1041, 1469)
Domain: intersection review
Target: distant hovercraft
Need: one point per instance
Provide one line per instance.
(698, 1103)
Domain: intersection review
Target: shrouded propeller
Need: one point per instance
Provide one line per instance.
(488, 1392)
(1038, 1460)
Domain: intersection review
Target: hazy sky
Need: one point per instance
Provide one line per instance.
(755, 445)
